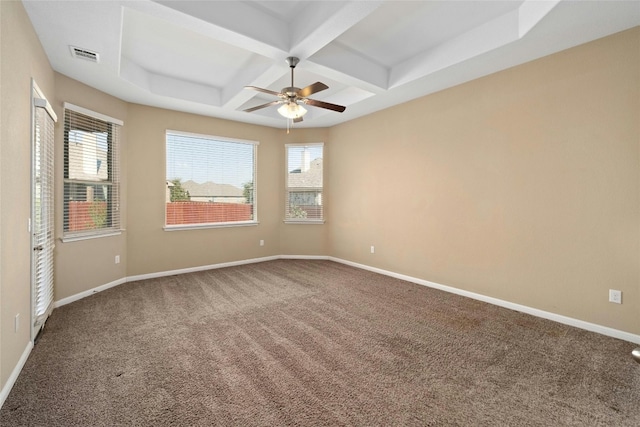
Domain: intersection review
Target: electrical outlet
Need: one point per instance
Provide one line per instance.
(117, 259)
(615, 296)
(16, 323)
(373, 249)
(261, 242)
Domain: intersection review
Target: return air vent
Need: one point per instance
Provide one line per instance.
(88, 55)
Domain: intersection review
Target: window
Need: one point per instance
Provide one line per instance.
(210, 181)
(303, 201)
(91, 174)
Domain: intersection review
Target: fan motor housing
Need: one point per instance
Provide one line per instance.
(290, 91)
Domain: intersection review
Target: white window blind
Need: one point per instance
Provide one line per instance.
(91, 174)
(42, 211)
(304, 183)
(210, 181)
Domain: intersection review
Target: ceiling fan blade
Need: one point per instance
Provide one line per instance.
(297, 119)
(311, 89)
(268, 104)
(327, 105)
(259, 89)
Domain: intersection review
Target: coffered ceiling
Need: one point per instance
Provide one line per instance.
(197, 56)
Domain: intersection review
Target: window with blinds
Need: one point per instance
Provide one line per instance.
(91, 174)
(304, 182)
(210, 181)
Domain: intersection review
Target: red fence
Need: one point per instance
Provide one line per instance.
(86, 216)
(93, 215)
(207, 212)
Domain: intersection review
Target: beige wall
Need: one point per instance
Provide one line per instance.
(85, 264)
(523, 185)
(22, 59)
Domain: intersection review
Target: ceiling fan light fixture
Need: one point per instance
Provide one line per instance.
(292, 110)
(291, 96)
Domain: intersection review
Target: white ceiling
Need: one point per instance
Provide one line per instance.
(197, 56)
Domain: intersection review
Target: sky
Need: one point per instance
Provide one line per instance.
(295, 155)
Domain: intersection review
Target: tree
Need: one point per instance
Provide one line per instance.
(98, 213)
(247, 192)
(296, 211)
(178, 192)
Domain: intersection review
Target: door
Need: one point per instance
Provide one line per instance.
(42, 204)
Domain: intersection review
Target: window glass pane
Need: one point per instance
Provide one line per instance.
(87, 206)
(88, 153)
(210, 180)
(91, 178)
(304, 182)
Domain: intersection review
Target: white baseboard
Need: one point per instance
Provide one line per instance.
(101, 288)
(4, 393)
(84, 294)
(201, 268)
(581, 324)
(315, 257)
(604, 330)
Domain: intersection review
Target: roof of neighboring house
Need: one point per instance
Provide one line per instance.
(211, 189)
(309, 179)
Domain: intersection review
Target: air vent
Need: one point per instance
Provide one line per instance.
(88, 55)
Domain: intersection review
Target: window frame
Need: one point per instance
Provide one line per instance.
(288, 189)
(199, 226)
(114, 141)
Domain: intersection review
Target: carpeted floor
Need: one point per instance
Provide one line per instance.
(297, 342)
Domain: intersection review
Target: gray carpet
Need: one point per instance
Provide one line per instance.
(297, 342)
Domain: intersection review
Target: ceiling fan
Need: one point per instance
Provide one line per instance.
(291, 97)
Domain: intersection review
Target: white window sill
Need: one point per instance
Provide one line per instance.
(76, 238)
(305, 221)
(205, 226)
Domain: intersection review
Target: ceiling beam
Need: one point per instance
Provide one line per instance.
(343, 64)
(479, 40)
(256, 73)
(320, 23)
(255, 31)
(169, 86)
(491, 35)
(532, 12)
